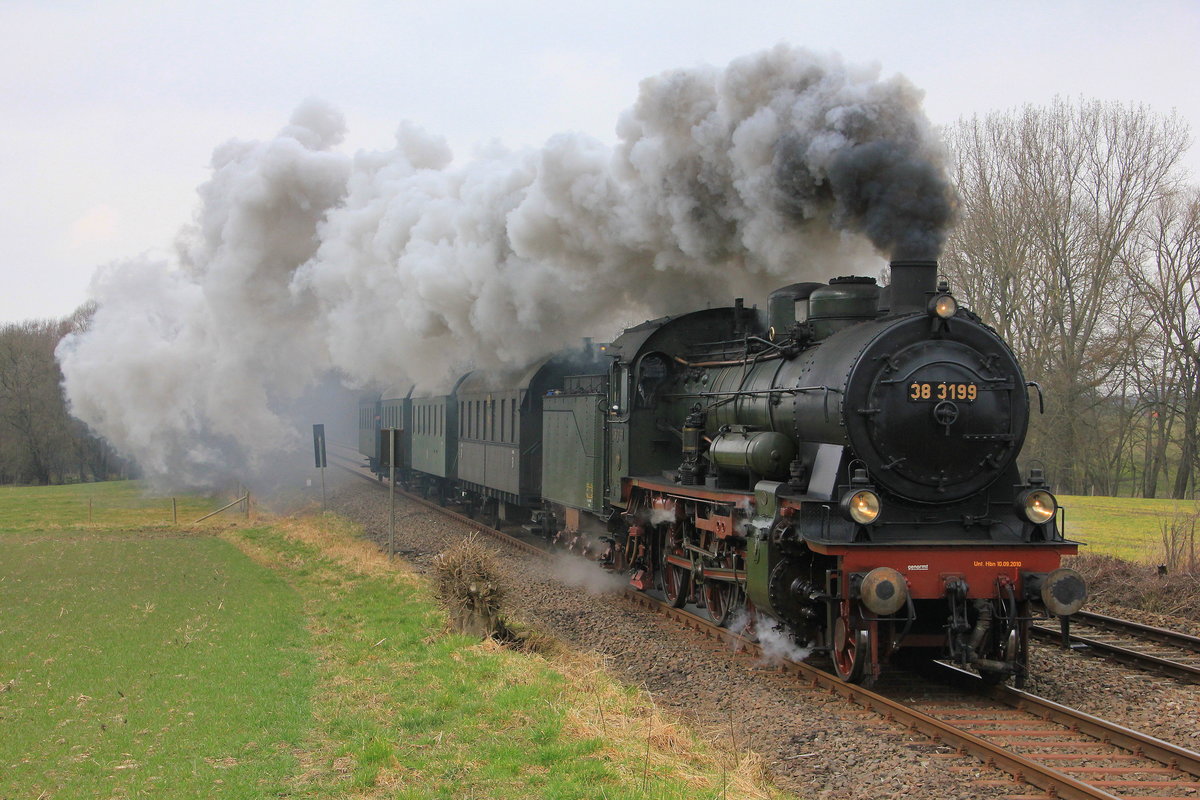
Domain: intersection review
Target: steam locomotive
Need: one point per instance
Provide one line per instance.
(842, 464)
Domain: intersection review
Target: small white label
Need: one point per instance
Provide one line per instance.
(918, 567)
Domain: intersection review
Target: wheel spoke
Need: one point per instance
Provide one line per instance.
(675, 579)
(721, 598)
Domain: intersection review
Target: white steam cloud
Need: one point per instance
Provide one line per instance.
(776, 639)
(405, 265)
(586, 574)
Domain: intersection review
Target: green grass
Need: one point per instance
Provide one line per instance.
(116, 505)
(409, 712)
(1129, 528)
(292, 660)
(135, 666)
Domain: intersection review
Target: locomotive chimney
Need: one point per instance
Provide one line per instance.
(913, 282)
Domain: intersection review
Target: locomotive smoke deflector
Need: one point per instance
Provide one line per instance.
(913, 283)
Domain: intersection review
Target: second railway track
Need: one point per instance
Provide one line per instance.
(1158, 650)
(1060, 751)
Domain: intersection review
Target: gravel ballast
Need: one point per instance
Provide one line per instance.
(816, 745)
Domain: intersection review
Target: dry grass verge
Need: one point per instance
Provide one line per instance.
(1137, 586)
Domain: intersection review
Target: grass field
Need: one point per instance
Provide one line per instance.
(1129, 528)
(131, 664)
(291, 659)
(111, 506)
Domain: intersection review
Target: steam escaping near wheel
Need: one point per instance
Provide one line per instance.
(776, 641)
(406, 264)
(586, 574)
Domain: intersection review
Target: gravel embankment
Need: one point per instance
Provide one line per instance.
(816, 745)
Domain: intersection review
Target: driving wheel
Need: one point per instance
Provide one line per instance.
(851, 652)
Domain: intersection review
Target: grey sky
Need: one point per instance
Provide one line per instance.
(112, 109)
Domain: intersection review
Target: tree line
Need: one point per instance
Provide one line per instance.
(40, 443)
(1079, 240)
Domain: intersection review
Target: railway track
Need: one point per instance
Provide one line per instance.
(1057, 750)
(1157, 650)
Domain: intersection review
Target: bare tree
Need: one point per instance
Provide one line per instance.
(39, 442)
(1054, 200)
(31, 409)
(1168, 285)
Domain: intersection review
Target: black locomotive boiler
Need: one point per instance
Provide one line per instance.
(843, 465)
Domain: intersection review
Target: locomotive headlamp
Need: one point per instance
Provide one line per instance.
(943, 306)
(861, 506)
(884, 591)
(1037, 505)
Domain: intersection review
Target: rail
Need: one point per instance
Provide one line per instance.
(1157, 650)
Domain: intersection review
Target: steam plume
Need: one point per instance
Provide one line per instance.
(405, 265)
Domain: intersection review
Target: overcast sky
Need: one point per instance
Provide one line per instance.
(111, 110)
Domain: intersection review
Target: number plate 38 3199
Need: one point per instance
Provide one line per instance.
(962, 392)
